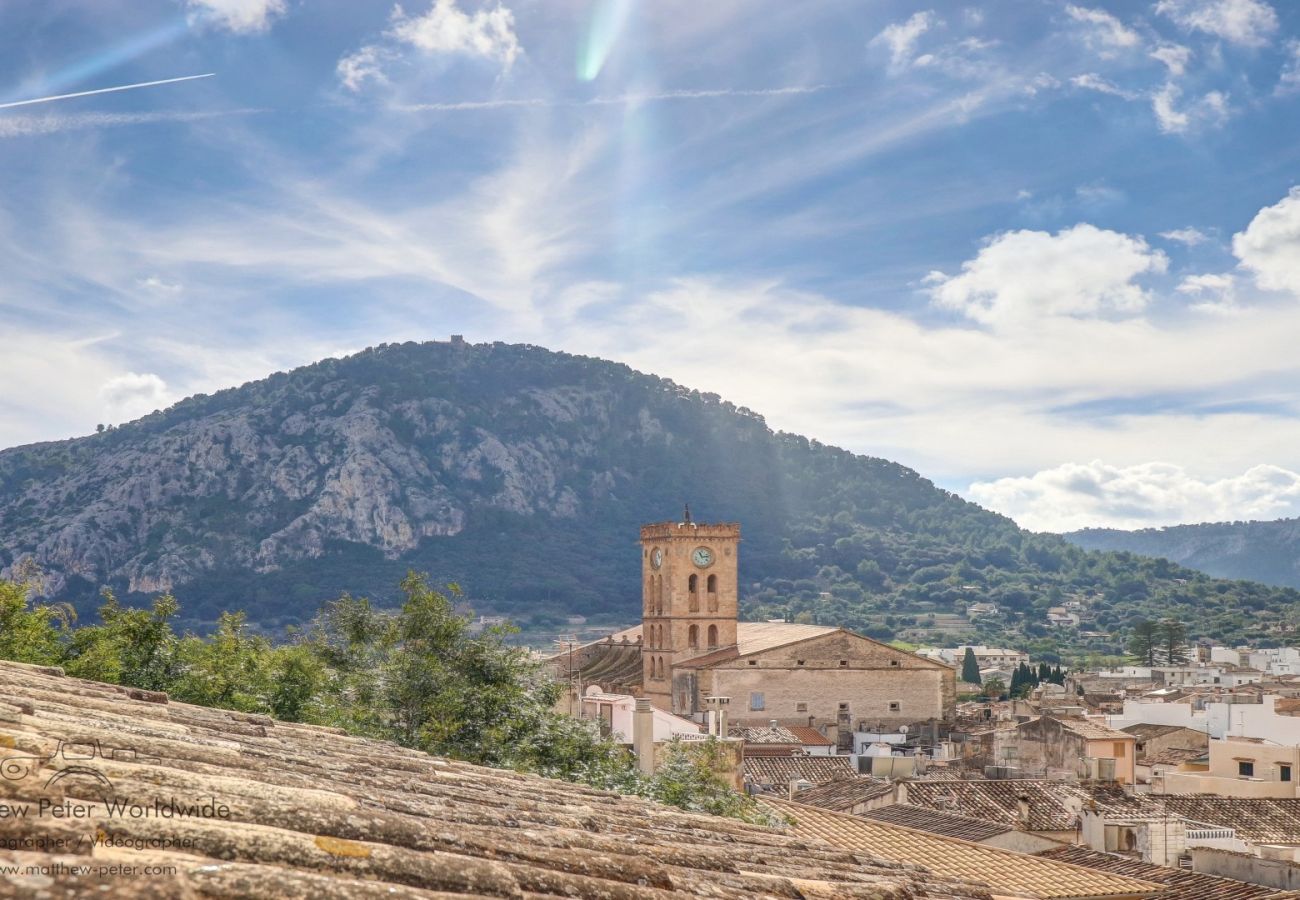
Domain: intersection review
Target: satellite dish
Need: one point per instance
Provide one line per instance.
(902, 729)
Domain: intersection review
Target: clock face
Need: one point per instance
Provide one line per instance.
(656, 557)
(702, 557)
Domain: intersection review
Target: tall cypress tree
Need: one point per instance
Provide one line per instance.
(970, 668)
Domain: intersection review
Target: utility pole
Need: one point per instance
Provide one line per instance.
(568, 642)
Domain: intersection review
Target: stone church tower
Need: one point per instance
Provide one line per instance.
(690, 597)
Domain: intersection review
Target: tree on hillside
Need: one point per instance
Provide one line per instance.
(1144, 642)
(1173, 638)
(970, 667)
(30, 633)
(136, 647)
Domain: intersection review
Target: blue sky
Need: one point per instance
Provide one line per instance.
(1047, 253)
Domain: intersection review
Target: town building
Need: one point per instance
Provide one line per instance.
(693, 648)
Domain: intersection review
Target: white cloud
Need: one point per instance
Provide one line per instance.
(365, 64)
(1091, 81)
(445, 28)
(239, 16)
(1289, 81)
(1175, 58)
(1189, 236)
(1211, 109)
(160, 287)
(901, 37)
(1216, 293)
(1104, 32)
(132, 395)
(1095, 494)
(1270, 245)
(1021, 276)
(1249, 23)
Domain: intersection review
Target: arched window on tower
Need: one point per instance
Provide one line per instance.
(713, 636)
(659, 668)
(659, 595)
(712, 590)
(693, 637)
(693, 589)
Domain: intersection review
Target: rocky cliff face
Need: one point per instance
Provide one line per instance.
(524, 474)
(274, 473)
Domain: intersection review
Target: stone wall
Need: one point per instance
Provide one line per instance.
(810, 679)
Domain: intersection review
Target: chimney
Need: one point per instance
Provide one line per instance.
(643, 736)
(796, 785)
(1022, 811)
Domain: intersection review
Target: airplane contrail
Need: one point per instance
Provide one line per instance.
(107, 90)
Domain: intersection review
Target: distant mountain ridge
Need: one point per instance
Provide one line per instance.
(523, 474)
(1268, 552)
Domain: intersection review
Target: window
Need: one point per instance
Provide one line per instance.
(713, 636)
(1283, 773)
(756, 700)
(1246, 769)
(753, 662)
(712, 585)
(801, 707)
(798, 662)
(1119, 750)
(893, 662)
(844, 707)
(843, 663)
(693, 637)
(895, 706)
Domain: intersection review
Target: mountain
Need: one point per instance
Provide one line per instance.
(1261, 551)
(523, 474)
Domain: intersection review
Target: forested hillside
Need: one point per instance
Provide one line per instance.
(523, 475)
(1262, 551)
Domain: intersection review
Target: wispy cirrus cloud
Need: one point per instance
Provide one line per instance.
(1250, 23)
(629, 99)
(30, 126)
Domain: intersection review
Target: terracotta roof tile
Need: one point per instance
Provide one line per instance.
(845, 793)
(1052, 806)
(1005, 871)
(935, 822)
(781, 770)
(810, 737)
(1179, 885)
(314, 813)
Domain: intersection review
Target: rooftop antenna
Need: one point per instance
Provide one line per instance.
(686, 515)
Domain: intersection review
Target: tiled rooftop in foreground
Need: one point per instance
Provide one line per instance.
(314, 813)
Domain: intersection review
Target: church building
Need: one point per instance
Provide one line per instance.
(693, 646)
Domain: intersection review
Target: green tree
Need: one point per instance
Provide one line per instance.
(1173, 642)
(970, 667)
(1144, 642)
(228, 669)
(687, 778)
(31, 633)
(136, 647)
(995, 687)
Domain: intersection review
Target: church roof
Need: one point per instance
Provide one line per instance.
(755, 637)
